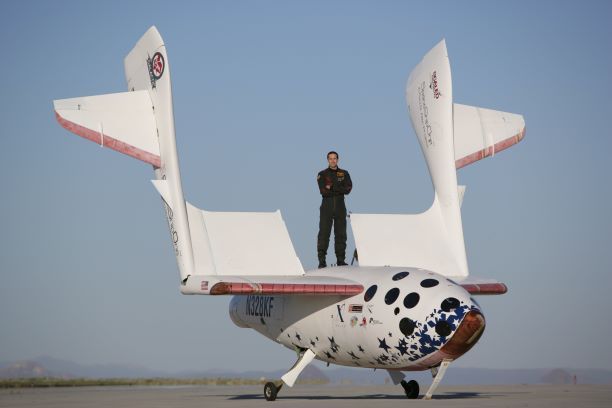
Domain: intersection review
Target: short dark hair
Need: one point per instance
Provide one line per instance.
(333, 152)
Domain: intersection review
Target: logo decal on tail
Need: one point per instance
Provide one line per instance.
(156, 67)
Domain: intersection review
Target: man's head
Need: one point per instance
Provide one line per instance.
(332, 160)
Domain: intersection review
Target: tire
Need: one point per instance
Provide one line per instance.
(411, 388)
(270, 391)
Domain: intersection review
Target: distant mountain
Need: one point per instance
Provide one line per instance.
(45, 366)
(26, 369)
(52, 367)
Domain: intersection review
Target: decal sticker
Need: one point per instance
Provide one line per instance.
(424, 116)
(204, 285)
(156, 66)
(353, 356)
(382, 343)
(364, 322)
(355, 308)
(374, 321)
(259, 306)
(333, 345)
(340, 307)
(354, 320)
(434, 85)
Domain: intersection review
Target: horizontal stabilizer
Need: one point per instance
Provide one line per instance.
(409, 240)
(270, 285)
(480, 132)
(123, 122)
(241, 243)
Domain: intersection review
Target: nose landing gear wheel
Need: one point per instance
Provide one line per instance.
(411, 388)
(271, 390)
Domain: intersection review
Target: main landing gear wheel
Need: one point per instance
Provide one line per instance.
(271, 390)
(411, 388)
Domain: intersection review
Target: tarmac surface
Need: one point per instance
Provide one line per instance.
(557, 396)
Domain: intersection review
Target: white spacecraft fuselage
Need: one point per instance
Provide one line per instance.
(408, 305)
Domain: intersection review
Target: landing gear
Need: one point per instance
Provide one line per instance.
(411, 388)
(271, 390)
(437, 374)
(304, 358)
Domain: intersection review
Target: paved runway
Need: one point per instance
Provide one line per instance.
(557, 396)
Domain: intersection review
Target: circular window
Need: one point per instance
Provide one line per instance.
(370, 293)
(429, 283)
(449, 304)
(399, 276)
(411, 300)
(407, 326)
(443, 328)
(391, 296)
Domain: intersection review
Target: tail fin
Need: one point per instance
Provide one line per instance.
(147, 68)
(433, 240)
(140, 123)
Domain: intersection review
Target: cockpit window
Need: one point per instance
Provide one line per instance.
(429, 283)
(400, 275)
(449, 304)
(443, 328)
(411, 300)
(392, 295)
(370, 293)
(407, 326)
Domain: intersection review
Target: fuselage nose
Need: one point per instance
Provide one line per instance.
(466, 335)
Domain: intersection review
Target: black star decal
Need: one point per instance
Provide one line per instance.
(334, 347)
(383, 345)
(402, 348)
(329, 355)
(403, 342)
(360, 348)
(297, 336)
(390, 334)
(353, 356)
(312, 343)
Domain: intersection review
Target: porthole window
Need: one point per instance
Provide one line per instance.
(392, 295)
(370, 293)
(407, 326)
(429, 283)
(411, 300)
(449, 304)
(399, 276)
(443, 328)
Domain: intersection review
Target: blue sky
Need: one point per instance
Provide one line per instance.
(262, 90)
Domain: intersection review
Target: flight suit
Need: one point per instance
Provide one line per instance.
(333, 211)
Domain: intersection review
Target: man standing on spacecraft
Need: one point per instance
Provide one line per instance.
(334, 184)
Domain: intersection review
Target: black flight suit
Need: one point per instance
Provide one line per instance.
(333, 210)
